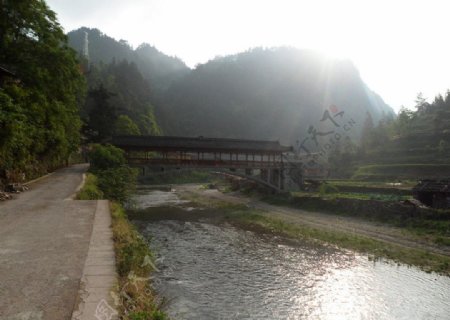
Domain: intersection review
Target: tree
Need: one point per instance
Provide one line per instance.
(104, 157)
(115, 178)
(118, 89)
(47, 92)
(367, 129)
(403, 122)
(126, 126)
(102, 115)
(421, 103)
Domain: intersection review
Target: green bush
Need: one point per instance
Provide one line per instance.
(326, 188)
(115, 178)
(145, 315)
(117, 183)
(103, 157)
(140, 315)
(159, 315)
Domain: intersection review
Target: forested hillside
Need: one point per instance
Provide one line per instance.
(122, 85)
(268, 94)
(260, 94)
(118, 102)
(414, 144)
(41, 87)
(50, 101)
(159, 69)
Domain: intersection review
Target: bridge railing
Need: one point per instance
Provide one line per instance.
(208, 163)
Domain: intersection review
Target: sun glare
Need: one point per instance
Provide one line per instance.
(380, 37)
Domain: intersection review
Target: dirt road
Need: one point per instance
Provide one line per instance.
(44, 238)
(377, 231)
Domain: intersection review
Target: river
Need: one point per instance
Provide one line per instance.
(210, 270)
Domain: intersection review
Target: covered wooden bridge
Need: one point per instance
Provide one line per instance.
(266, 157)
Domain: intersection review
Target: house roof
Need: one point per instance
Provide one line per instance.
(201, 144)
(433, 186)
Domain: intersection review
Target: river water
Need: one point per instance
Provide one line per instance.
(217, 271)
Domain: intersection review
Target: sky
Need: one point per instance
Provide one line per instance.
(400, 47)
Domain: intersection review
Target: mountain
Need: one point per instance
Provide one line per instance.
(279, 93)
(283, 93)
(158, 68)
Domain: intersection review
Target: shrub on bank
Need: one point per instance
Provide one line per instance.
(326, 188)
(115, 178)
(134, 259)
(117, 183)
(103, 157)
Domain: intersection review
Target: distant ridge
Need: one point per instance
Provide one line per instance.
(263, 94)
(160, 69)
(271, 94)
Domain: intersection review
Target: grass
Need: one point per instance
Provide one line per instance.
(373, 184)
(395, 171)
(134, 261)
(429, 224)
(364, 196)
(90, 190)
(245, 217)
(351, 195)
(376, 249)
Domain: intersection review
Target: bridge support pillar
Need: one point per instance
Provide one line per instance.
(292, 178)
(276, 178)
(264, 174)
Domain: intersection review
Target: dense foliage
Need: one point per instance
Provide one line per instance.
(268, 94)
(416, 144)
(104, 157)
(159, 69)
(39, 119)
(119, 102)
(260, 94)
(116, 179)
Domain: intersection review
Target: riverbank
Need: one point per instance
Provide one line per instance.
(134, 297)
(375, 239)
(426, 225)
(214, 265)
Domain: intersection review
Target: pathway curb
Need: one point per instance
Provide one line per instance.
(99, 280)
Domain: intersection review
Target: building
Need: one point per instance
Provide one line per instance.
(7, 76)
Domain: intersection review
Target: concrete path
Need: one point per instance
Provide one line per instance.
(44, 241)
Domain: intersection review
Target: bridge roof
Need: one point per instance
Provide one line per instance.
(199, 144)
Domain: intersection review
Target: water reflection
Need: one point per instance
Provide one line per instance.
(147, 197)
(220, 272)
